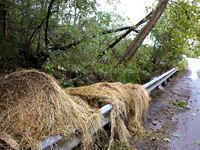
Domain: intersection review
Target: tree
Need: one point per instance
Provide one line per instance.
(5, 4)
(174, 32)
(47, 22)
(143, 33)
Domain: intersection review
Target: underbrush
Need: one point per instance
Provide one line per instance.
(182, 64)
(80, 69)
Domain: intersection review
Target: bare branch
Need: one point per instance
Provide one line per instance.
(36, 30)
(78, 42)
(67, 46)
(132, 28)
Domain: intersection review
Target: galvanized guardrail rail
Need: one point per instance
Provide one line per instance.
(56, 142)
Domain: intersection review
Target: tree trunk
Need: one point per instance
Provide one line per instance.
(1, 19)
(30, 40)
(132, 28)
(47, 22)
(5, 14)
(133, 47)
(39, 40)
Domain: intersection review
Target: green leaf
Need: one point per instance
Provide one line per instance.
(198, 109)
(153, 138)
(182, 103)
(174, 103)
(186, 106)
(176, 135)
(197, 142)
(193, 114)
(166, 140)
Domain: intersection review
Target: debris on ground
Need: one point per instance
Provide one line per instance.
(33, 107)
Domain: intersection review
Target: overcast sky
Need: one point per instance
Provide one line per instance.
(133, 9)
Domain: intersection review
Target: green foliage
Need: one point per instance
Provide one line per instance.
(82, 61)
(176, 135)
(9, 51)
(182, 64)
(80, 20)
(193, 114)
(174, 103)
(173, 33)
(197, 142)
(166, 140)
(91, 71)
(182, 103)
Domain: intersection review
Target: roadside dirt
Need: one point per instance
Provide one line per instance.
(161, 123)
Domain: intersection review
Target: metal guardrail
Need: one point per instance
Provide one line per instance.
(153, 84)
(56, 142)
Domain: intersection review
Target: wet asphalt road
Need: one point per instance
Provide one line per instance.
(188, 126)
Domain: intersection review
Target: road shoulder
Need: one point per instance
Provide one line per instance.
(161, 123)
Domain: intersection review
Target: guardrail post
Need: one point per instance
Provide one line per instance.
(156, 88)
(164, 83)
(153, 93)
(168, 80)
(173, 75)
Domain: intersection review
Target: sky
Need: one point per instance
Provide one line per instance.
(132, 10)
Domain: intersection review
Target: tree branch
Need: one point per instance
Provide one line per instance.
(67, 46)
(132, 28)
(119, 29)
(47, 23)
(78, 42)
(129, 28)
(35, 31)
(133, 47)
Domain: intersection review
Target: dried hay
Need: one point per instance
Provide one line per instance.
(33, 107)
(130, 103)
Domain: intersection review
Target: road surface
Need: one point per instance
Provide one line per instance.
(189, 122)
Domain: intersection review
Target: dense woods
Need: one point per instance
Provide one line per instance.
(79, 44)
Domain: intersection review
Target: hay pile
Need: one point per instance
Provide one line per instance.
(33, 107)
(130, 103)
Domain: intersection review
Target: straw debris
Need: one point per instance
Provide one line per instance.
(33, 107)
(130, 104)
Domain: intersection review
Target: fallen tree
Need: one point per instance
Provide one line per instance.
(133, 47)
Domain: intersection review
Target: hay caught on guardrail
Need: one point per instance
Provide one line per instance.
(33, 107)
(130, 103)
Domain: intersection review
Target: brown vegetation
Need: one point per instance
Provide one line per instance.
(33, 106)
